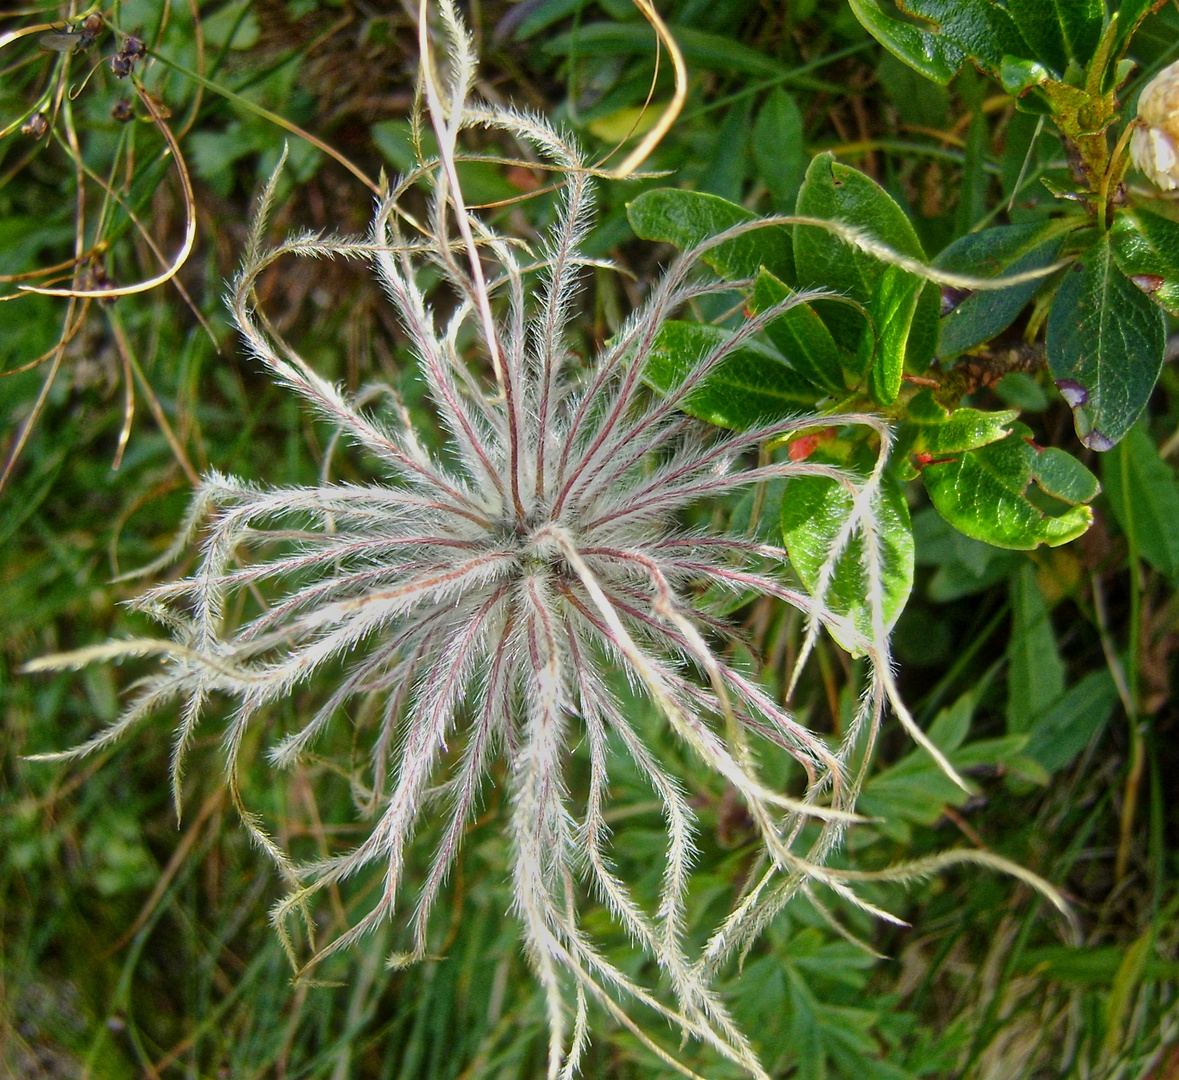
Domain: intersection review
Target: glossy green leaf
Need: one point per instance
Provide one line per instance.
(688, 218)
(751, 386)
(1130, 15)
(893, 304)
(1146, 247)
(1059, 30)
(777, 147)
(836, 192)
(984, 493)
(1144, 497)
(1018, 75)
(800, 336)
(1105, 346)
(932, 429)
(1035, 672)
(981, 28)
(921, 349)
(814, 509)
(997, 252)
(950, 31)
(935, 57)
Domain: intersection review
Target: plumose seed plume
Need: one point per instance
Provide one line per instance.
(490, 600)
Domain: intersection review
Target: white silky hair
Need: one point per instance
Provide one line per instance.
(484, 601)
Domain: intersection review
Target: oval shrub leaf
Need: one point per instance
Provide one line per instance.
(932, 429)
(777, 147)
(1105, 346)
(814, 509)
(984, 494)
(751, 386)
(836, 192)
(1146, 247)
(935, 57)
(958, 29)
(800, 335)
(997, 252)
(1061, 30)
(688, 218)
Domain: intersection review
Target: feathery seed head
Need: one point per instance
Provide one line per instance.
(484, 600)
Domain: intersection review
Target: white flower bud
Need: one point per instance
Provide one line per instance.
(1154, 146)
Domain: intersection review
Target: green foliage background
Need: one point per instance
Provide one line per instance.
(134, 946)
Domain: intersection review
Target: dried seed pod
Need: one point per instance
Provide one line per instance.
(35, 126)
(132, 48)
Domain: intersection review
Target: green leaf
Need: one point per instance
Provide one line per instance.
(700, 49)
(539, 18)
(1059, 30)
(1105, 346)
(750, 386)
(893, 304)
(814, 509)
(949, 728)
(688, 218)
(1089, 965)
(984, 493)
(921, 349)
(932, 429)
(981, 28)
(915, 790)
(1018, 75)
(958, 29)
(1146, 247)
(800, 336)
(1130, 15)
(725, 173)
(997, 252)
(964, 566)
(1035, 674)
(1063, 477)
(1065, 728)
(1122, 992)
(935, 57)
(777, 147)
(1021, 391)
(836, 192)
(1144, 497)
(229, 23)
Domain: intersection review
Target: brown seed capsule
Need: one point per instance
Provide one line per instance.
(121, 111)
(35, 126)
(132, 48)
